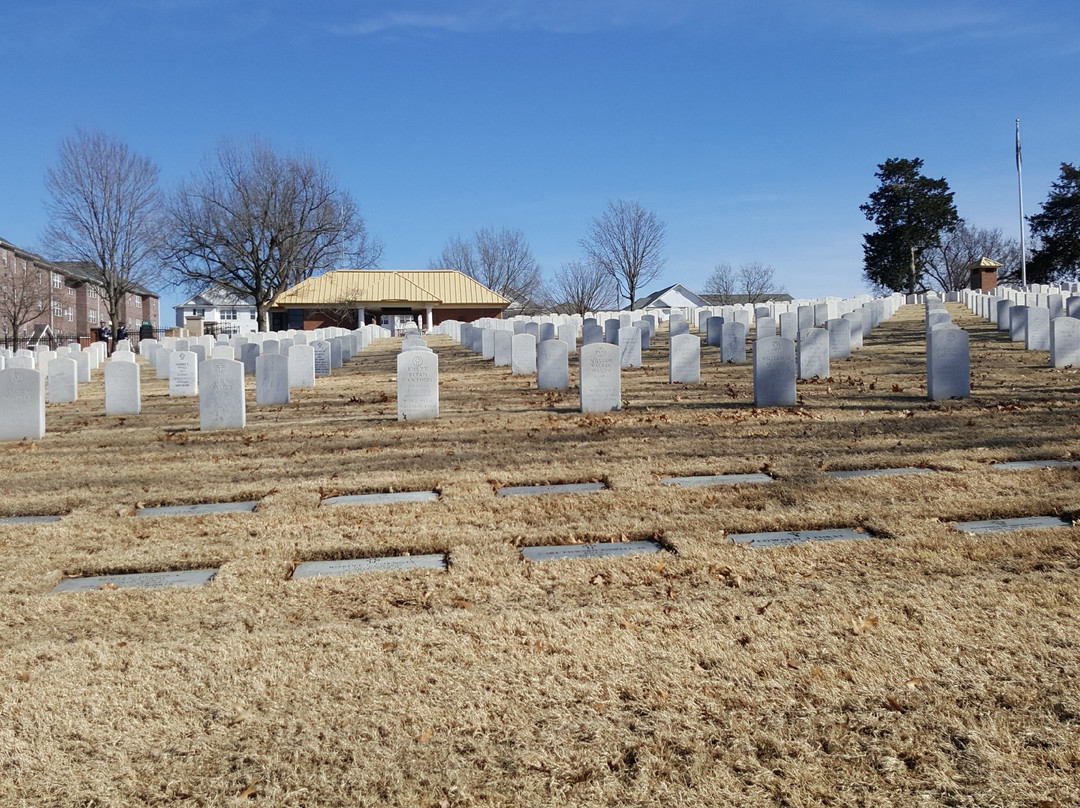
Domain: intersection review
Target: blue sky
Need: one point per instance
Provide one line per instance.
(752, 129)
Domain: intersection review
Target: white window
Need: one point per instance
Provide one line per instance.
(251, 314)
(228, 314)
(197, 312)
(57, 309)
(91, 292)
(71, 290)
(70, 313)
(57, 280)
(92, 315)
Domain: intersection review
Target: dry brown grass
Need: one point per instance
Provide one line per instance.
(921, 667)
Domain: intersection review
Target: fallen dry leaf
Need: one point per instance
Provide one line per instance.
(251, 791)
(911, 684)
(424, 736)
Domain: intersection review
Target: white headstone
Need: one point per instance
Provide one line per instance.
(630, 346)
(222, 404)
(323, 357)
(1038, 329)
(601, 378)
(22, 404)
(1064, 342)
(417, 386)
(839, 337)
(553, 365)
(503, 348)
(684, 360)
(774, 372)
(733, 342)
(271, 379)
(301, 366)
(523, 354)
(183, 373)
(948, 364)
(249, 351)
(83, 360)
(122, 382)
(813, 353)
(64, 380)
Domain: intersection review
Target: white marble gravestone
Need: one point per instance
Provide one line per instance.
(271, 379)
(713, 334)
(122, 396)
(630, 346)
(1064, 342)
(813, 353)
(678, 326)
(839, 337)
(774, 372)
(1037, 337)
(523, 355)
(504, 341)
(301, 366)
(601, 378)
(1018, 321)
(83, 360)
(568, 334)
(249, 351)
(63, 380)
(222, 404)
(417, 386)
(732, 342)
(323, 357)
(948, 364)
(553, 365)
(684, 360)
(183, 373)
(22, 404)
(764, 327)
(161, 362)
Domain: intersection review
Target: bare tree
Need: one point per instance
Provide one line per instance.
(754, 282)
(23, 295)
(627, 243)
(758, 281)
(582, 287)
(723, 283)
(105, 212)
(257, 222)
(499, 259)
(948, 265)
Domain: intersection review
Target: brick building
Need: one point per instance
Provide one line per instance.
(64, 297)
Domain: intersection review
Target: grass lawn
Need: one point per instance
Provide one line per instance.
(919, 666)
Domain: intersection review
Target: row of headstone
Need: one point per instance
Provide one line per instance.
(1043, 320)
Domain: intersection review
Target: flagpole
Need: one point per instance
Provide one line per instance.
(1020, 188)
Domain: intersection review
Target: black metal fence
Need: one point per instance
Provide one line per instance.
(58, 339)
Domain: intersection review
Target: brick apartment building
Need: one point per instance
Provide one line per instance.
(63, 296)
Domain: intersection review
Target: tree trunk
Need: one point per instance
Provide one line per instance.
(911, 282)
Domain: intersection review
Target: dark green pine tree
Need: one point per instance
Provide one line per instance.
(1057, 231)
(911, 212)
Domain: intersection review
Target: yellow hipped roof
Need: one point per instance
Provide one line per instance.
(431, 287)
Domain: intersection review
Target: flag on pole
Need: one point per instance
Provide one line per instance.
(1017, 144)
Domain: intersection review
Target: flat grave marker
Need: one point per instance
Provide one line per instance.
(716, 479)
(199, 508)
(560, 488)
(140, 580)
(565, 552)
(353, 566)
(385, 498)
(782, 538)
(1020, 465)
(847, 473)
(21, 520)
(1006, 525)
